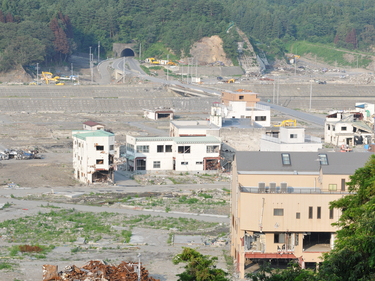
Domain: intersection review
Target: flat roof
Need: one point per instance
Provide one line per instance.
(199, 125)
(181, 140)
(91, 134)
(270, 162)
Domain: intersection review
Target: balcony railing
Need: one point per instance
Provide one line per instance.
(290, 190)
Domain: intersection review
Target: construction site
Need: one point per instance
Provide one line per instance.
(152, 215)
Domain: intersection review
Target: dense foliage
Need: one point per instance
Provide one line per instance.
(54, 29)
(198, 267)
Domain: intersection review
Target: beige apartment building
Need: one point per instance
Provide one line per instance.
(280, 204)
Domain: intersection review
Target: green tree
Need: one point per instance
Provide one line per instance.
(199, 267)
(353, 257)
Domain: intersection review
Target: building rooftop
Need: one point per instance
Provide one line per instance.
(90, 134)
(267, 162)
(198, 125)
(181, 140)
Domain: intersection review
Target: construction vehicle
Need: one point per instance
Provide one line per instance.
(231, 80)
(171, 63)
(152, 61)
(60, 84)
(287, 123)
(48, 77)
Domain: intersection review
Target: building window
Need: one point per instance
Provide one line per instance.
(141, 165)
(168, 148)
(199, 163)
(100, 147)
(160, 148)
(156, 164)
(285, 157)
(298, 216)
(333, 128)
(296, 240)
(142, 148)
(328, 127)
(130, 147)
(212, 149)
(278, 212)
(310, 212)
(293, 136)
(343, 128)
(241, 97)
(279, 238)
(323, 159)
(332, 187)
(331, 214)
(184, 163)
(184, 149)
(111, 147)
(260, 118)
(319, 212)
(343, 184)
(99, 161)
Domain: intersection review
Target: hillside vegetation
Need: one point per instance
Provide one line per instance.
(48, 31)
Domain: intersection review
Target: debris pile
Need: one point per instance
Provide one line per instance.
(97, 271)
(19, 154)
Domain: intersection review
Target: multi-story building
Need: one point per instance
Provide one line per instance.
(290, 139)
(280, 204)
(93, 155)
(350, 127)
(172, 153)
(249, 97)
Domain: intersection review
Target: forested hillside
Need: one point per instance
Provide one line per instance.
(47, 31)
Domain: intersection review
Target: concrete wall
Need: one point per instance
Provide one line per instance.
(240, 139)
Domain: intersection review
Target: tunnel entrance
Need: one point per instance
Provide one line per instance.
(127, 53)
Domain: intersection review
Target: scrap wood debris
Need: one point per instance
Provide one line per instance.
(97, 271)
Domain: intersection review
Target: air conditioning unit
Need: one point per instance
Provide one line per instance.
(283, 187)
(272, 187)
(261, 187)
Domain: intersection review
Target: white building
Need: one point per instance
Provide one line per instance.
(161, 113)
(172, 153)
(92, 126)
(256, 114)
(93, 155)
(350, 127)
(290, 139)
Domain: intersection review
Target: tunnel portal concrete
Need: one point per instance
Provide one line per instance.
(124, 50)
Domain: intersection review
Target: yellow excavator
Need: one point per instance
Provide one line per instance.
(287, 123)
(48, 77)
(152, 61)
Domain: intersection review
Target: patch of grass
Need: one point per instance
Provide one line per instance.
(6, 265)
(205, 195)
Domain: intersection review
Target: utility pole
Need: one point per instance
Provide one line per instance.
(98, 52)
(71, 70)
(37, 73)
(310, 94)
(140, 51)
(182, 77)
(167, 66)
(91, 68)
(274, 92)
(139, 267)
(187, 76)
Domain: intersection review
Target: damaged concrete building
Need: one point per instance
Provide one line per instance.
(352, 127)
(93, 156)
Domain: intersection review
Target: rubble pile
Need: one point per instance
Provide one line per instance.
(96, 271)
(363, 78)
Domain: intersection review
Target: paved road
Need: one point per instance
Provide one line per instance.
(297, 114)
(136, 70)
